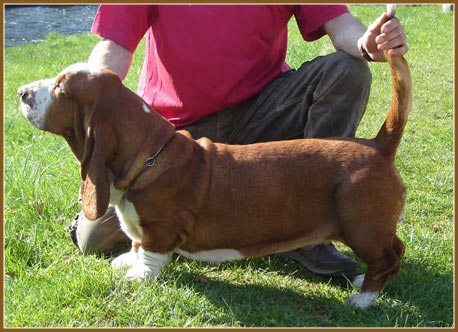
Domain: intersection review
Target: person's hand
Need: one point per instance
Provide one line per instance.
(384, 34)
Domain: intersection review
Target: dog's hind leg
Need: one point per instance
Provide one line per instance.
(383, 264)
(369, 203)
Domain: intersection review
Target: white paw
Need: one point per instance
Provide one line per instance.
(362, 300)
(358, 281)
(148, 265)
(140, 271)
(125, 261)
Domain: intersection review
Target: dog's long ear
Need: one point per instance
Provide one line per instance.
(76, 136)
(92, 139)
(95, 186)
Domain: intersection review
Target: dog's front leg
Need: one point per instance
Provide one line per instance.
(148, 265)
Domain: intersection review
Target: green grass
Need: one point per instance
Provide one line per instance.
(49, 283)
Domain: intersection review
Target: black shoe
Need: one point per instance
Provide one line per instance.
(72, 229)
(323, 259)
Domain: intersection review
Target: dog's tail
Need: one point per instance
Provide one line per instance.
(389, 136)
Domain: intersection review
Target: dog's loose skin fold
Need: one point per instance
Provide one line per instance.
(205, 199)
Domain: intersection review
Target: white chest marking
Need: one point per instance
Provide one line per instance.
(128, 216)
(130, 224)
(213, 256)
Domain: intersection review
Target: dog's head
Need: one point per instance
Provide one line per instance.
(71, 105)
(64, 104)
(109, 128)
(47, 103)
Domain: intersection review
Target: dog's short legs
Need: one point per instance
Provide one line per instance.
(382, 265)
(361, 300)
(149, 265)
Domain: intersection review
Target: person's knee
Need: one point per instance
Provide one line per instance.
(340, 96)
(357, 79)
(101, 236)
(356, 71)
(88, 242)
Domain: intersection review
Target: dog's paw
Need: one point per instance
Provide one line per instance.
(358, 281)
(125, 261)
(362, 300)
(148, 265)
(140, 272)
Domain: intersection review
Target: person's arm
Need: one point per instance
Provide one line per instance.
(110, 55)
(348, 35)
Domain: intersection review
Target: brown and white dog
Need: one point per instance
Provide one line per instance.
(217, 202)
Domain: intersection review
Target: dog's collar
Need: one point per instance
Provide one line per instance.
(150, 162)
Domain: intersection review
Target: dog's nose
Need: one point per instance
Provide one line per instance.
(23, 94)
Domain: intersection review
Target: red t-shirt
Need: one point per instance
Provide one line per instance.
(203, 58)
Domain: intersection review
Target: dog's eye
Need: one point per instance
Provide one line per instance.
(58, 88)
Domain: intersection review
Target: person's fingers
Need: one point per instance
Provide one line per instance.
(392, 40)
(399, 50)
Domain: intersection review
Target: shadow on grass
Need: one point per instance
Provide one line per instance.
(418, 297)
(254, 305)
(266, 305)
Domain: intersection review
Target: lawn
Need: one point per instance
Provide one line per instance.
(49, 283)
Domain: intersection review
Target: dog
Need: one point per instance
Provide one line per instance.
(217, 202)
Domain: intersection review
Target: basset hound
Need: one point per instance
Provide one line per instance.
(218, 202)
